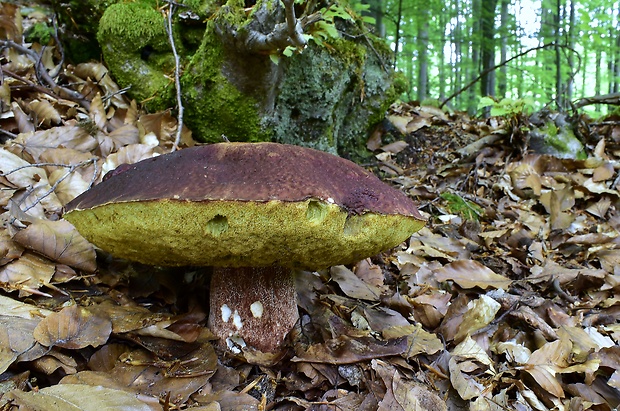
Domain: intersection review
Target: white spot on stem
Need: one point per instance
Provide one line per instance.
(237, 320)
(257, 309)
(226, 313)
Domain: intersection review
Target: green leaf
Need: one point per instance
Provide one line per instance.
(485, 102)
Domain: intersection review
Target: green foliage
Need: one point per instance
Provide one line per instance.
(456, 204)
(508, 107)
(40, 33)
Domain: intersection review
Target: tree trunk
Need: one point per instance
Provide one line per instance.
(570, 81)
(502, 85)
(397, 34)
(559, 90)
(441, 55)
(376, 12)
(422, 43)
(487, 46)
(475, 48)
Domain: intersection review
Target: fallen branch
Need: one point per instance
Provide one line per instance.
(611, 99)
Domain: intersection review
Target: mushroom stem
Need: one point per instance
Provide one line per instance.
(252, 306)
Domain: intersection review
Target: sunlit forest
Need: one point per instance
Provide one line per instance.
(549, 51)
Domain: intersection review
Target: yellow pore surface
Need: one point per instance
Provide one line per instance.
(309, 234)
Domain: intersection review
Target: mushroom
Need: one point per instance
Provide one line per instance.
(253, 211)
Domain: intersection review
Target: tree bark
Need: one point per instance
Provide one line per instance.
(487, 46)
(422, 43)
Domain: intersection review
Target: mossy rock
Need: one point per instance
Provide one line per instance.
(327, 97)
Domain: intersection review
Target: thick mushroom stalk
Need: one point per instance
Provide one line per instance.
(236, 205)
(257, 312)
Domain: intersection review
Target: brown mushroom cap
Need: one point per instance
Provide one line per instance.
(244, 205)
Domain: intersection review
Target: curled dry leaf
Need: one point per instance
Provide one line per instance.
(548, 360)
(353, 286)
(525, 179)
(128, 155)
(405, 395)
(59, 241)
(9, 249)
(15, 339)
(347, 350)
(470, 274)
(73, 327)
(419, 341)
(26, 274)
(97, 112)
(44, 113)
(480, 313)
(466, 360)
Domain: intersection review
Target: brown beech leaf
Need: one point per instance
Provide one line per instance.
(15, 339)
(128, 155)
(74, 137)
(466, 359)
(353, 286)
(97, 112)
(9, 249)
(139, 377)
(470, 274)
(419, 341)
(44, 113)
(77, 397)
(73, 327)
(403, 394)
(27, 273)
(59, 241)
(347, 350)
(480, 313)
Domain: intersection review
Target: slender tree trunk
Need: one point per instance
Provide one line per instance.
(397, 34)
(457, 39)
(502, 85)
(442, 55)
(422, 43)
(571, 58)
(487, 46)
(475, 47)
(559, 89)
(597, 72)
(615, 40)
(376, 11)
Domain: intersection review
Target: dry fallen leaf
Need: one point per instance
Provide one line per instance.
(59, 241)
(77, 397)
(470, 274)
(73, 327)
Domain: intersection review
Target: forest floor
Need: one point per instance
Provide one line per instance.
(509, 298)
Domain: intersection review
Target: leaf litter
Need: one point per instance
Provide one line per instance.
(507, 299)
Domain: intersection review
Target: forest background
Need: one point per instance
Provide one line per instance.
(545, 51)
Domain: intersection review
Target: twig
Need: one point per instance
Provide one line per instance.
(177, 80)
(44, 75)
(71, 167)
(503, 63)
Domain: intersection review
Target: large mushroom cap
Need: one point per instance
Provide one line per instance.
(243, 205)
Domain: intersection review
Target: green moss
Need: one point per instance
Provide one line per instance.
(136, 48)
(310, 234)
(215, 107)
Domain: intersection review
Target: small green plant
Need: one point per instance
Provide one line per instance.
(508, 107)
(456, 204)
